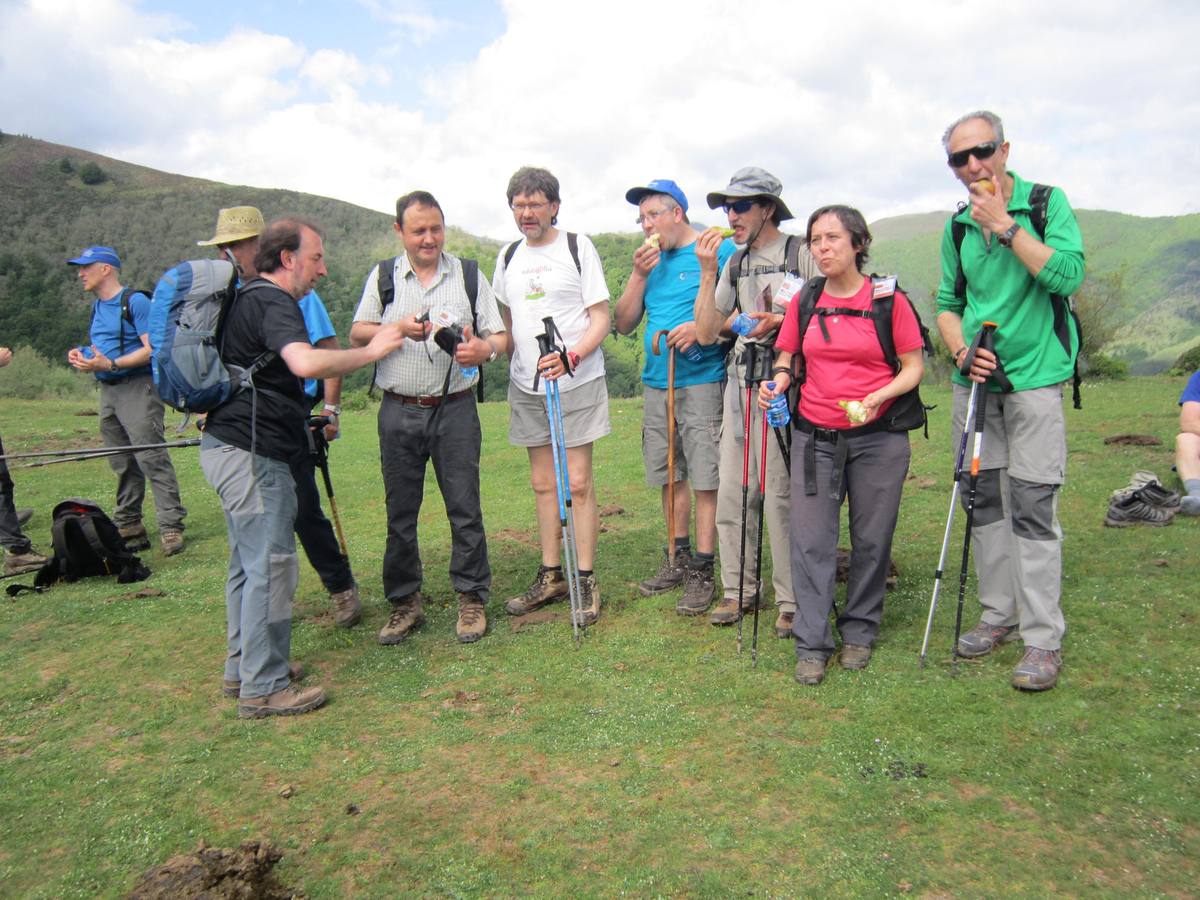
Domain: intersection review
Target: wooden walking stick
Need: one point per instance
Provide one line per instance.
(654, 345)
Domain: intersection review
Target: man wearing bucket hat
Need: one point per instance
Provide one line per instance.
(130, 410)
(759, 280)
(237, 239)
(662, 286)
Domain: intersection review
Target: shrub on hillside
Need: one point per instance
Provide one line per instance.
(65, 166)
(91, 173)
(1101, 365)
(1188, 361)
(30, 376)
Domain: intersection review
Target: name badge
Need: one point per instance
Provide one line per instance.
(788, 288)
(883, 287)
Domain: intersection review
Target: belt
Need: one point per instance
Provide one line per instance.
(838, 438)
(428, 402)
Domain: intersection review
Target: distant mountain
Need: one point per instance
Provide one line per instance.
(58, 199)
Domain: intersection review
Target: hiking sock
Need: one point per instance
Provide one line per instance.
(557, 568)
(1192, 486)
(585, 573)
(704, 560)
(683, 545)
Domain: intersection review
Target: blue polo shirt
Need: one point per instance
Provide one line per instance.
(319, 326)
(107, 325)
(1191, 393)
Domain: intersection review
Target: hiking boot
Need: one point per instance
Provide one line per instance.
(548, 586)
(233, 688)
(293, 700)
(783, 624)
(855, 656)
(1190, 505)
(699, 589)
(726, 610)
(28, 561)
(172, 542)
(589, 600)
(983, 638)
(1157, 495)
(472, 621)
(347, 608)
(135, 537)
(1133, 510)
(668, 577)
(407, 616)
(1037, 670)
(24, 514)
(810, 670)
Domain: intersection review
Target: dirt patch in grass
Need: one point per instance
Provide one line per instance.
(215, 873)
(524, 537)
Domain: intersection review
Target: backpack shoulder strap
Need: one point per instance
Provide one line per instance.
(883, 297)
(573, 246)
(470, 276)
(809, 294)
(510, 252)
(958, 231)
(1039, 201)
(385, 281)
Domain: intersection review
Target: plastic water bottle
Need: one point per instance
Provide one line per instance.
(694, 353)
(778, 414)
(469, 372)
(743, 324)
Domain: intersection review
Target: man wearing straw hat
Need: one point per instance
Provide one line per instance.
(237, 239)
(130, 410)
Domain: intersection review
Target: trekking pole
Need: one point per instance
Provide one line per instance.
(654, 345)
(762, 516)
(316, 426)
(749, 355)
(87, 452)
(954, 492)
(562, 484)
(985, 341)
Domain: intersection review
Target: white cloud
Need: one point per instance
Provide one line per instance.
(844, 104)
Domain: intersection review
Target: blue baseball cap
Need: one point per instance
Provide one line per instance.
(95, 255)
(666, 186)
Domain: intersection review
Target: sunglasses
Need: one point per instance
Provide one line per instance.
(983, 151)
(741, 207)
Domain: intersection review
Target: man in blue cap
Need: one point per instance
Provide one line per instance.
(130, 410)
(662, 287)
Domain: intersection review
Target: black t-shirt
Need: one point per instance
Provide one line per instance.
(263, 317)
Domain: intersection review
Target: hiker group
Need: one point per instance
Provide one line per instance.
(780, 379)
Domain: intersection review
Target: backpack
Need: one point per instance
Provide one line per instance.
(187, 312)
(792, 265)
(1039, 200)
(386, 285)
(907, 411)
(572, 245)
(87, 543)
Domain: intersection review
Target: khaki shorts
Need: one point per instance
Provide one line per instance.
(584, 410)
(697, 435)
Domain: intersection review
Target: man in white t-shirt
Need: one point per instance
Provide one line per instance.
(551, 273)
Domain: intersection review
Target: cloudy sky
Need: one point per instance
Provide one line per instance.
(845, 102)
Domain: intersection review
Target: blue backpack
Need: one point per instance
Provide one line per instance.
(187, 312)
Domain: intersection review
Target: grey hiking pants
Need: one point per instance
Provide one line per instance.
(1016, 538)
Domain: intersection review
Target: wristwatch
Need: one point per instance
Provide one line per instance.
(333, 408)
(112, 366)
(492, 356)
(1006, 237)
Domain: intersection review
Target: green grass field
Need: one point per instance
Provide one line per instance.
(652, 760)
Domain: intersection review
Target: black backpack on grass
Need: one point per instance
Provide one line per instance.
(87, 543)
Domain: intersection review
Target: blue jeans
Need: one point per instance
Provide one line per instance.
(259, 500)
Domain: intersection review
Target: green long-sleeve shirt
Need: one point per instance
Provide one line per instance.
(1001, 290)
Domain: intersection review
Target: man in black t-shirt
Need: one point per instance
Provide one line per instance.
(245, 455)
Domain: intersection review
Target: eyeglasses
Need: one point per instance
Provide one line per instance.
(648, 217)
(741, 207)
(529, 207)
(983, 151)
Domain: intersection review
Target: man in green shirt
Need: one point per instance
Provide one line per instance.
(1019, 279)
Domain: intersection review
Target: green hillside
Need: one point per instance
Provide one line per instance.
(58, 199)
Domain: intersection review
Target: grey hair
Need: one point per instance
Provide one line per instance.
(990, 117)
(669, 203)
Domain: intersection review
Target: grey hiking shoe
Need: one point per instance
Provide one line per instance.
(855, 656)
(810, 670)
(293, 700)
(347, 607)
(1133, 510)
(407, 616)
(668, 577)
(472, 620)
(1151, 490)
(28, 561)
(983, 639)
(548, 586)
(231, 688)
(699, 588)
(589, 600)
(135, 537)
(1037, 670)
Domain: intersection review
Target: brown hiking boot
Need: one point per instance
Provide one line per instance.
(1038, 670)
(855, 656)
(668, 577)
(810, 670)
(135, 537)
(783, 624)
(548, 586)
(984, 638)
(726, 611)
(171, 541)
(699, 589)
(589, 600)
(233, 688)
(407, 616)
(29, 561)
(347, 608)
(293, 700)
(472, 620)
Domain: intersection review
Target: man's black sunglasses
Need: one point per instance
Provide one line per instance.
(741, 207)
(959, 158)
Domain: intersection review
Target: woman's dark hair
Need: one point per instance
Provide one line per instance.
(852, 220)
(280, 235)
